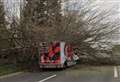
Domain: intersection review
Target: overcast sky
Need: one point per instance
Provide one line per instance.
(13, 7)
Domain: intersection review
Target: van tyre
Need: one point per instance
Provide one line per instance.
(65, 64)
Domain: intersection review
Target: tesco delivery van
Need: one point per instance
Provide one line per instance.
(56, 55)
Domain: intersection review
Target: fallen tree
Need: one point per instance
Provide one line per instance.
(89, 29)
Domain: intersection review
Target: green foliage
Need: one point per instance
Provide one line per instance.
(7, 69)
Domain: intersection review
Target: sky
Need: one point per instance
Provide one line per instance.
(103, 3)
(13, 7)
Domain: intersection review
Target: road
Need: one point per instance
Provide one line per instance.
(73, 74)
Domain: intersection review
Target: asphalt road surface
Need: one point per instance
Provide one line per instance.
(73, 74)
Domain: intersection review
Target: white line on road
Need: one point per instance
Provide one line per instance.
(48, 78)
(115, 72)
(11, 75)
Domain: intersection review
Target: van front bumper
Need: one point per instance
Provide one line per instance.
(51, 65)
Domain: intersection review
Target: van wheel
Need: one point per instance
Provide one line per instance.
(65, 64)
(64, 67)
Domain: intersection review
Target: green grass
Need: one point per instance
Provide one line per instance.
(7, 69)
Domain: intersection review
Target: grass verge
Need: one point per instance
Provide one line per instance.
(7, 69)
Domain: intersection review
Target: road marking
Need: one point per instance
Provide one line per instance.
(48, 78)
(115, 72)
(10, 75)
